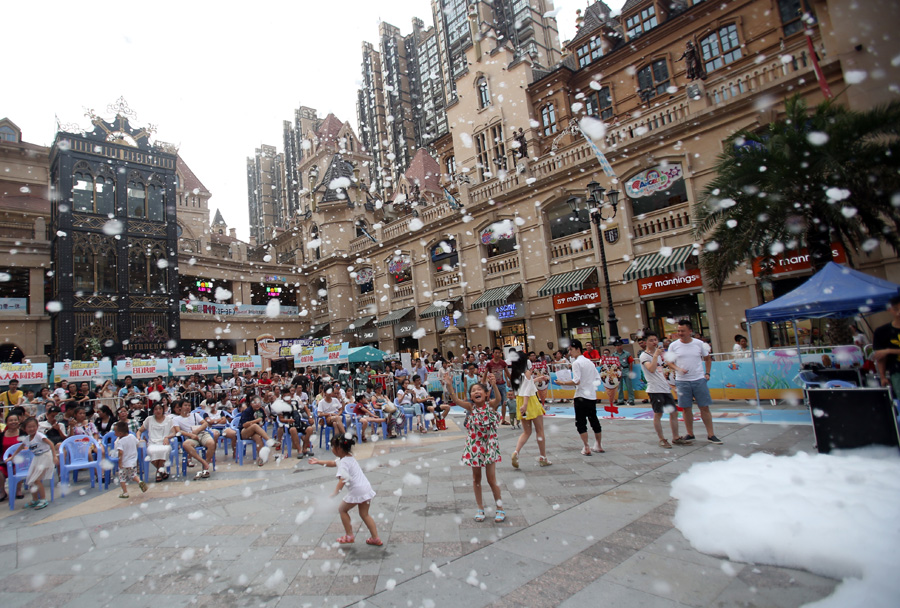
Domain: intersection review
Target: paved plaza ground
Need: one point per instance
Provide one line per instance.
(588, 531)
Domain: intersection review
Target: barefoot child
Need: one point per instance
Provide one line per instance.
(126, 447)
(43, 465)
(482, 445)
(360, 492)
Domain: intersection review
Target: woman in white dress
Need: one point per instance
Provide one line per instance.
(160, 432)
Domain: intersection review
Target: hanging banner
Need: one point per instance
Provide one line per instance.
(303, 355)
(653, 180)
(229, 363)
(185, 366)
(142, 368)
(25, 373)
(215, 309)
(14, 305)
(333, 354)
(78, 371)
(364, 276)
(601, 157)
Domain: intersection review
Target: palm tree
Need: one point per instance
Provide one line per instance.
(811, 179)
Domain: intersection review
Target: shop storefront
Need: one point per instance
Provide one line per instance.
(362, 332)
(671, 289)
(505, 304)
(450, 322)
(576, 301)
(785, 273)
(404, 325)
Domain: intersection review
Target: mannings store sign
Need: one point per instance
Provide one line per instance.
(671, 281)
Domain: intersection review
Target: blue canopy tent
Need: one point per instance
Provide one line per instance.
(835, 291)
(365, 354)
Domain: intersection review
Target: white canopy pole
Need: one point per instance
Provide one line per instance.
(755, 377)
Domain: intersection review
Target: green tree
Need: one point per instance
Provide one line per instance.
(815, 177)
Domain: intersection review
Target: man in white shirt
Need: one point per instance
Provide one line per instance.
(585, 379)
(691, 360)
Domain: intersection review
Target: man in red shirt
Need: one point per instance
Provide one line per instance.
(497, 366)
(590, 352)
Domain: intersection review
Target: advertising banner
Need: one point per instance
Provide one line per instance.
(185, 366)
(25, 373)
(333, 354)
(142, 368)
(80, 371)
(229, 363)
(653, 180)
(215, 309)
(14, 305)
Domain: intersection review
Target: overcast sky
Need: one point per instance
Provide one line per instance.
(217, 79)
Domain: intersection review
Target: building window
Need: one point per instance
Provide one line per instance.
(315, 243)
(791, 16)
(156, 202)
(653, 79)
(444, 256)
(451, 166)
(721, 48)
(83, 192)
(146, 273)
(564, 223)
(548, 119)
(105, 194)
(481, 157)
(599, 104)
(589, 52)
(484, 94)
(498, 146)
(137, 200)
(400, 267)
(8, 134)
(93, 264)
(499, 238)
(641, 22)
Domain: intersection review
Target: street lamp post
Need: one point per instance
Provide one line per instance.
(595, 205)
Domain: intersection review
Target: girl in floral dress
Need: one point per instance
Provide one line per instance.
(482, 446)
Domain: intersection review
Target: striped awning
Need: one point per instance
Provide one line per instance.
(565, 282)
(358, 324)
(665, 260)
(496, 296)
(395, 317)
(436, 310)
(316, 331)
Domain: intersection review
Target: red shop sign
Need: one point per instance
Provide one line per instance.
(790, 261)
(574, 299)
(671, 281)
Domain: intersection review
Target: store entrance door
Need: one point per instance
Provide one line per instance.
(664, 313)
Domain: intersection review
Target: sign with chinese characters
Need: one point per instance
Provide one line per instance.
(653, 180)
(25, 373)
(81, 371)
(142, 368)
(274, 279)
(14, 305)
(505, 312)
(215, 309)
(333, 354)
(229, 363)
(671, 281)
(576, 299)
(790, 261)
(447, 320)
(185, 366)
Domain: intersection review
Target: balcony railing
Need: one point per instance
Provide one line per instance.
(402, 291)
(360, 243)
(572, 245)
(664, 221)
(446, 279)
(366, 300)
(759, 76)
(502, 264)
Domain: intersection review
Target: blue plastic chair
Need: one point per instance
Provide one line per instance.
(109, 443)
(242, 443)
(200, 450)
(326, 432)
(17, 470)
(839, 384)
(75, 455)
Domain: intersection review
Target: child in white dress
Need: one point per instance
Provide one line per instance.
(360, 490)
(43, 465)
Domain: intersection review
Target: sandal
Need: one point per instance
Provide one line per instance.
(42, 504)
(586, 451)
(515, 460)
(32, 504)
(500, 516)
(123, 495)
(346, 540)
(544, 461)
(374, 541)
(479, 515)
(159, 477)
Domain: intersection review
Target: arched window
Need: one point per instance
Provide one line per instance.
(105, 192)
(563, 222)
(657, 188)
(444, 256)
(721, 48)
(365, 280)
(146, 270)
(484, 94)
(315, 243)
(93, 263)
(83, 191)
(156, 200)
(548, 119)
(137, 270)
(400, 268)
(498, 238)
(8, 134)
(653, 79)
(361, 227)
(137, 199)
(83, 265)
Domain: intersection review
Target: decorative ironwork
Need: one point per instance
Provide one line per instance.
(164, 146)
(611, 235)
(148, 301)
(572, 129)
(149, 328)
(68, 127)
(96, 301)
(92, 222)
(89, 328)
(120, 107)
(147, 228)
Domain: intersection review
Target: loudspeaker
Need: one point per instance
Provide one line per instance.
(852, 418)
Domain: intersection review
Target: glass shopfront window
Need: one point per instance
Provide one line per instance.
(584, 325)
(663, 314)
